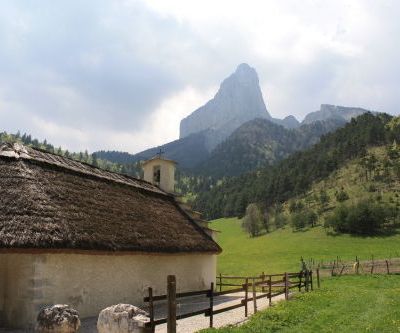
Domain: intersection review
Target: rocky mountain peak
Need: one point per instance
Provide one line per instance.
(245, 71)
(238, 100)
(328, 111)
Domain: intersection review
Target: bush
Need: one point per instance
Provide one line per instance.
(323, 198)
(341, 196)
(295, 206)
(280, 220)
(371, 188)
(366, 217)
(304, 218)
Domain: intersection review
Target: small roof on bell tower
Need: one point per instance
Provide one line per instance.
(159, 156)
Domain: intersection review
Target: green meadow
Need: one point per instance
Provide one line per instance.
(369, 303)
(280, 250)
(365, 303)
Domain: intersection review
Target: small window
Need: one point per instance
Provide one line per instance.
(156, 174)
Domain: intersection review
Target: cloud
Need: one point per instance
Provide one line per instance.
(121, 74)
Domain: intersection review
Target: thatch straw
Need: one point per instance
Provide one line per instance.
(51, 202)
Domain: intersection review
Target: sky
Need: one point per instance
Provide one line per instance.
(120, 75)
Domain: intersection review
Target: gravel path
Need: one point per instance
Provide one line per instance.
(232, 317)
(195, 323)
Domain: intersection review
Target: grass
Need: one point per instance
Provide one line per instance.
(345, 304)
(281, 250)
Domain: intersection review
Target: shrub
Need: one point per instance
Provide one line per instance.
(295, 206)
(341, 195)
(300, 220)
(280, 220)
(323, 197)
(366, 217)
(371, 188)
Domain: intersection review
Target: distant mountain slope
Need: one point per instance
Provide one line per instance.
(328, 111)
(260, 142)
(255, 143)
(188, 152)
(116, 156)
(287, 122)
(295, 174)
(238, 100)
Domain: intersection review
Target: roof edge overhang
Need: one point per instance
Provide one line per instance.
(101, 252)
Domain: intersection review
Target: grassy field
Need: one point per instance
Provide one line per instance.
(280, 250)
(346, 304)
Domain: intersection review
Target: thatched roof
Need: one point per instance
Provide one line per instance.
(51, 202)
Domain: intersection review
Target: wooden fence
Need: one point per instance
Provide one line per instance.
(252, 288)
(339, 267)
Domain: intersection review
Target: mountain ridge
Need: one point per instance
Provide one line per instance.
(327, 111)
(261, 142)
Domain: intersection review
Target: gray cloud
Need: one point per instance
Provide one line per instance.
(84, 74)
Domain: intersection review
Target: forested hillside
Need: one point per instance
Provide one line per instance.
(295, 175)
(261, 142)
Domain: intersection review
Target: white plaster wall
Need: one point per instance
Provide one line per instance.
(19, 292)
(2, 288)
(90, 283)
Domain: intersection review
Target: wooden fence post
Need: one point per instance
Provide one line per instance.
(318, 283)
(286, 286)
(254, 296)
(387, 266)
(372, 267)
(151, 310)
(270, 290)
(246, 286)
(300, 276)
(211, 304)
(263, 280)
(306, 281)
(341, 271)
(357, 266)
(171, 299)
(220, 282)
(311, 281)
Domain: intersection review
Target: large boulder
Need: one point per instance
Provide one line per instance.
(122, 318)
(59, 318)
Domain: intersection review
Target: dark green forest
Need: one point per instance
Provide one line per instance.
(261, 142)
(294, 175)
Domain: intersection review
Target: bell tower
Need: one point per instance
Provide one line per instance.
(160, 172)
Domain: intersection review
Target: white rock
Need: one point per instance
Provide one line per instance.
(59, 318)
(122, 318)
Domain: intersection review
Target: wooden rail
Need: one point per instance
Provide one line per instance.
(337, 267)
(254, 288)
